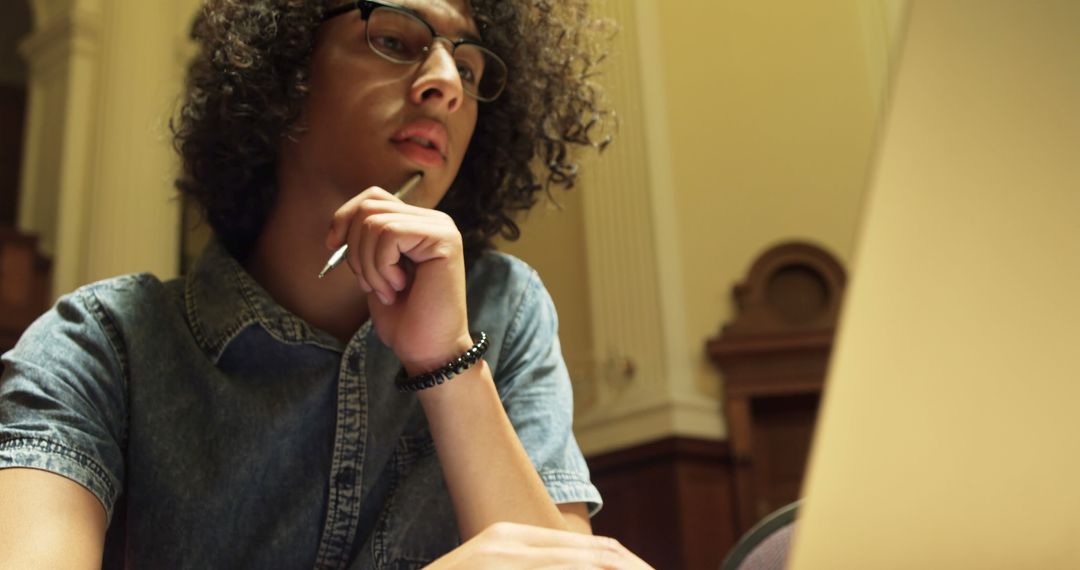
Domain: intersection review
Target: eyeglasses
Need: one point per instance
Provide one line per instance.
(400, 35)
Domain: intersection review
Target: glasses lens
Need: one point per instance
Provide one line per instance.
(397, 36)
(483, 74)
(404, 38)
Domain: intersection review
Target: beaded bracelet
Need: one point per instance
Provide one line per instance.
(454, 367)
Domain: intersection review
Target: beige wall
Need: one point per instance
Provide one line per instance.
(949, 433)
(98, 165)
(771, 116)
(760, 120)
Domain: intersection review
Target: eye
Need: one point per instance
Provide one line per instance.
(470, 64)
(391, 45)
(468, 74)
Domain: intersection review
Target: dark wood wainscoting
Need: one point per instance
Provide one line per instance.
(670, 501)
(24, 285)
(12, 112)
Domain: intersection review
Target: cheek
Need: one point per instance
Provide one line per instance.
(343, 115)
(465, 129)
(337, 103)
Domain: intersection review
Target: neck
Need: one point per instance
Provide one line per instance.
(289, 254)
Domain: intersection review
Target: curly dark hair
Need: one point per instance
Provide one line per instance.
(248, 81)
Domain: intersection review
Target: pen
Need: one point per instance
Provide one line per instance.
(402, 194)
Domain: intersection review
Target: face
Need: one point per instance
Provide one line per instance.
(373, 122)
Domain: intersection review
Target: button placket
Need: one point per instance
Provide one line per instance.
(346, 466)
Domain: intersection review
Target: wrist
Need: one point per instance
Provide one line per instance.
(446, 397)
(437, 357)
(426, 380)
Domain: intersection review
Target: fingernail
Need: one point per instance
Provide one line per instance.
(383, 298)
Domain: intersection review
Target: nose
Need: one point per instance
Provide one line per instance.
(438, 82)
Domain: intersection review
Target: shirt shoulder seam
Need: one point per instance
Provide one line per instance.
(115, 339)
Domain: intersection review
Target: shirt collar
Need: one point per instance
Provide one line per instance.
(221, 300)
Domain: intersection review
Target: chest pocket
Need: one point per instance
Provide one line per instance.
(418, 524)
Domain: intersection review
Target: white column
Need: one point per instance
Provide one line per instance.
(98, 166)
(62, 56)
(134, 214)
(645, 387)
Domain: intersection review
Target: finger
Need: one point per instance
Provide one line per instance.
(541, 536)
(603, 551)
(393, 238)
(366, 229)
(373, 201)
(375, 198)
(568, 557)
(374, 228)
(611, 555)
(364, 285)
(354, 238)
(404, 238)
(577, 557)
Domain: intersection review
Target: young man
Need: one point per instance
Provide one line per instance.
(252, 414)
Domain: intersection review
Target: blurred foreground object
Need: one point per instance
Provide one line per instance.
(948, 429)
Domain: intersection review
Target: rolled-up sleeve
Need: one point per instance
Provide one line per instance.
(62, 403)
(538, 396)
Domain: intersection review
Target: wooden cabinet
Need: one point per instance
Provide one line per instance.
(773, 356)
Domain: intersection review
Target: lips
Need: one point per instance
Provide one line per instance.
(423, 141)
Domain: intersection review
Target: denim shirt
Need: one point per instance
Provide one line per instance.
(220, 431)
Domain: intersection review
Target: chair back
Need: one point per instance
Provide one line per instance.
(766, 545)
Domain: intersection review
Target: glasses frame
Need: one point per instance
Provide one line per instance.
(367, 7)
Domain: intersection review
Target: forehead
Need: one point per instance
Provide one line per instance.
(451, 18)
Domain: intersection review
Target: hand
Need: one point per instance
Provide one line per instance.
(410, 262)
(511, 546)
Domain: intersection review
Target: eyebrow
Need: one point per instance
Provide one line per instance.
(460, 33)
(467, 35)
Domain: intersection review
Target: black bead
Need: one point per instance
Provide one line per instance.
(446, 372)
